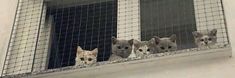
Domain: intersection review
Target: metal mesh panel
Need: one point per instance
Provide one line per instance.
(89, 26)
(46, 33)
(24, 38)
(164, 18)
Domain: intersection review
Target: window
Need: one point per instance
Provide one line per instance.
(166, 17)
(89, 26)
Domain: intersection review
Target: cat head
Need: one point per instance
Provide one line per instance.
(144, 47)
(205, 39)
(86, 57)
(166, 44)
(121, 48)
(143, 50)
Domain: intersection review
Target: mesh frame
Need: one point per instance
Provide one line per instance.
(35, 26)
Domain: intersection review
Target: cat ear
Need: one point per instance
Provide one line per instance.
(152, 41)
(79, 50)
(95, 51)
(114, 40)
(173, 38)
(213, 32)
(136, 43)
(197, 34)
(157, 39)
(131, 41)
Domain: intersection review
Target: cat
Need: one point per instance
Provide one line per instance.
(165, 44)
(205, 39)
(85, 57)
(120, 49)
(143, 48)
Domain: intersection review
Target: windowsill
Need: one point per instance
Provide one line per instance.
(121, 68)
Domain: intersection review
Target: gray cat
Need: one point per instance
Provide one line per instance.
(205, 39)
(166, 44)
(120, 49)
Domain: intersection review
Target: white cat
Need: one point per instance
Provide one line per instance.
(85, 57)
(205, 39)
(144, 48)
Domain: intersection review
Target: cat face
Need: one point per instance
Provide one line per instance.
(121, 48)
(143, 49)
(166, 44)
(85, 57)
(205, 39)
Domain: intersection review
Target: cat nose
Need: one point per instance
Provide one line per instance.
(144, 53)
(206, 42)
(85, 62)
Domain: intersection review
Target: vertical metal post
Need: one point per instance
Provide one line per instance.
(38, 34)
(225, 21)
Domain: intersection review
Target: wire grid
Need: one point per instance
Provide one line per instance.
(46, 33)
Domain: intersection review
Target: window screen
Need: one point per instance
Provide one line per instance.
(166, 17)
(89, 26)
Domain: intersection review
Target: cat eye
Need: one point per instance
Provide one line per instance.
(162, 48)
(148, 49)
(82, 59)
(209, 39)
(126, 47)
(119, 47)
(140, 50)
(169, 47)
(89, 59)
(202, 40)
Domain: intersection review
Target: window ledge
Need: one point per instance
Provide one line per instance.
(117, 68)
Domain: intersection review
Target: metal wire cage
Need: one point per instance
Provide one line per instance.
(46, 33)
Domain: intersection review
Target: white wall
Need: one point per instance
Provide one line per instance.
(230, 16)
(7, 12)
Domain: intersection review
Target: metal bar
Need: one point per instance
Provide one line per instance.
(225, 21)
(35, 50)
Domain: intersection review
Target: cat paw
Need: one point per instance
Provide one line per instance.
(152, 55)
(161, 54)
(167, 53)
(116, 61)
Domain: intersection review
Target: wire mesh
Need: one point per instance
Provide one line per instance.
(46, 33)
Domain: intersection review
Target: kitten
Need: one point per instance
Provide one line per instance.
(120, 49)
(207, 39)
(165, 44)
(143, 48)
(85, 57)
